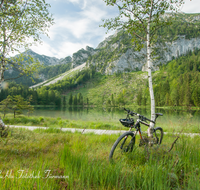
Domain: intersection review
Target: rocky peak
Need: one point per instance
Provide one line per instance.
(66, 60)
(81, 56)
(46, 60)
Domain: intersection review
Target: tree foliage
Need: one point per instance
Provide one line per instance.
(134, 17)
(21, 22)
(15, 104)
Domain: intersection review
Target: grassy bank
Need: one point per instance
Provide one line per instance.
(47, 159)
(184, 123)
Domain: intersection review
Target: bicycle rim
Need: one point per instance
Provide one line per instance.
(122, 147)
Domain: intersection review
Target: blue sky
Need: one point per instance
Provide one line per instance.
(77, 25)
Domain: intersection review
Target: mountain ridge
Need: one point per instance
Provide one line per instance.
(117, 54)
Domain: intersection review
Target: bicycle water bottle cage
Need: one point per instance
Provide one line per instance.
(127, 122)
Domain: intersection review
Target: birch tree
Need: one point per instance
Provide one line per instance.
(22, 22)
(142, 18)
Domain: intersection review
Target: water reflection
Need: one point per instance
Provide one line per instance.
(108, 114)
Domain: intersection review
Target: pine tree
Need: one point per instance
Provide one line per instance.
(70, 99)
(75, 100)
(64, 101)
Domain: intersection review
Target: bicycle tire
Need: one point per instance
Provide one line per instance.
(160, 136)
(123, 145)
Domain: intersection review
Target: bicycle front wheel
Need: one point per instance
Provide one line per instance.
(122, 146)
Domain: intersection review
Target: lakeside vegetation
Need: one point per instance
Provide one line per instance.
(186, 122)
(77, 161)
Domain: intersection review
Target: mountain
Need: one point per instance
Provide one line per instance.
(117, 52)
(46, 60)
(77, 58)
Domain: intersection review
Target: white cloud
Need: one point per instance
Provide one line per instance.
(62, 50)
(69, 48)
(81, 3)
(45, 49)
(191, 6)
(94, 13)
(77, 25)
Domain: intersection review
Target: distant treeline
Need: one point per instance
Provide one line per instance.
(176, 84)
(49, 95)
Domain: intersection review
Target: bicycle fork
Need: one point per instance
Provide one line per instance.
(130, 145)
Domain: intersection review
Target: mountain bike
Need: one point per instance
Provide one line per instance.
(125, 143)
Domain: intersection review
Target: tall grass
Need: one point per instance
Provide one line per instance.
(78, 161)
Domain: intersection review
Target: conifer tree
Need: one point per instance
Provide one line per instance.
(70, 99)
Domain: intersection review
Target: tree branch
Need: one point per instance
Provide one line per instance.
(25, 4)
(173, 144)
(1, 3)
(121, 8)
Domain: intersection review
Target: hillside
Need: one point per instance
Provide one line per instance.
(175, 84)
(68, 73)
(117, 52)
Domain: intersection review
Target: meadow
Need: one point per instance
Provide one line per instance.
(52, 159)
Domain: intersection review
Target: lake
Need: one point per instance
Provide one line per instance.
(172, 120)
(114, 114)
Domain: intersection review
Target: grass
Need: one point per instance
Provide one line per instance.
(185, 123)
(53, 159)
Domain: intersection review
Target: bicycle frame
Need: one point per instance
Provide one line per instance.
(137, 126)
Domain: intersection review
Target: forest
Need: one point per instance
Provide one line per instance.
(175, 84)
(48, 95)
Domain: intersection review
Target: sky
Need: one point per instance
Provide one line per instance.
(77, 25)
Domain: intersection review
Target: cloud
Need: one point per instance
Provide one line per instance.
(60, 50)
(94, 14)
(45, 49)
(77, 25)
(81, 3)
(69, 48)
(191, 6)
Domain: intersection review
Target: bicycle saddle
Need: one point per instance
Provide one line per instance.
(159, 114)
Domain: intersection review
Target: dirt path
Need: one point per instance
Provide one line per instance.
(95, 131)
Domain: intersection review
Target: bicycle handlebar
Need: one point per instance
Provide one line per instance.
(143, 118)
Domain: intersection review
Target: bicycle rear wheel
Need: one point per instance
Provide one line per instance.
(122, 146)
(158, 135)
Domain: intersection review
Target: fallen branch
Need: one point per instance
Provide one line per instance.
(173, 144)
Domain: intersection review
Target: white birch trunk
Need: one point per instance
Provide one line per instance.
(150, 129)
(2, 66)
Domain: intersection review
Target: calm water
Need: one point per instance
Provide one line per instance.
(111, 114)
